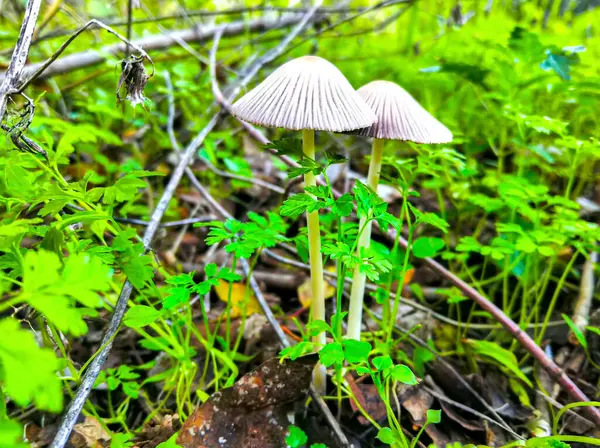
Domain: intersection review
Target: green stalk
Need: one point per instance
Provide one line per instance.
(316, 260)
(357, 293)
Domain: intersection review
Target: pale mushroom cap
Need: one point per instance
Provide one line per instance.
(400, 116)
(305, 93)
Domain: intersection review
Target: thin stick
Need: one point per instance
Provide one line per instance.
(181, 222)
(157, 42)
(42, 67)
(509, 325)
(20, 54)
(581, 314)
(117, 22)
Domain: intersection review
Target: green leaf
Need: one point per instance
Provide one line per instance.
(138, 269)
(131, 389)
(124, 189)
(286, 146)
(382, 362)
(28, 372)
(356, 351)
(402, 374)
(425, 247)
(307, 165)
(18, 180)
(295, 351)
(300, 203)
(318, 326)
(429, 218)
(387, 435)
(343, 205)
(368, 201)
(505, 358)
(595, 330)
(576, 331)
(11, 434)
(140, 316)
(121, 440)
(55, 294)
(332, 353)
(177, 296)
(560, 64)
(434, 416)
(170, 443)
(421, 356)
(296, 437)
(318, 445)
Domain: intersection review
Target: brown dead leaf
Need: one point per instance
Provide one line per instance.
(154, 434)
(368, 398)
(89, 434)
(252, 413)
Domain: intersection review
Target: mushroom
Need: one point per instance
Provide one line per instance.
(399, 117)
(307, 94)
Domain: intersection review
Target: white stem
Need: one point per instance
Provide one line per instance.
(316, 261)
(359, 279)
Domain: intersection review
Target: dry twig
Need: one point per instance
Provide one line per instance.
(10, 80)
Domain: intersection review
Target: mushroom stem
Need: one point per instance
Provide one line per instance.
(316, 260)
(357, 293)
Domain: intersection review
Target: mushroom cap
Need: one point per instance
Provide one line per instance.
(400, 116)
(305, 93)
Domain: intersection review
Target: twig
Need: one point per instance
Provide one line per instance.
(581, 315)
(350, 18)
(157, 42)
(442, 397)
(116, 22)
(509, 325)
(11, 78)
(251, 180)
(404, 300)
(42, 67)
(181, 222)
(501, 423)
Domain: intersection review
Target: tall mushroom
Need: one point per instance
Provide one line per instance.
(399, 117)
(307, 94)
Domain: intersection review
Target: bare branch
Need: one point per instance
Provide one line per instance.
(157, 42)
(10, 79)
(92, 23)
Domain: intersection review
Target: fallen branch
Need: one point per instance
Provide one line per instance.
(90, 58)
(555, 372)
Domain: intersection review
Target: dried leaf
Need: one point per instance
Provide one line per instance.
(252, 413)
(134, 78)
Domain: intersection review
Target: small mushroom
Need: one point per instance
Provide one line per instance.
(308, 94)
(399, 117)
